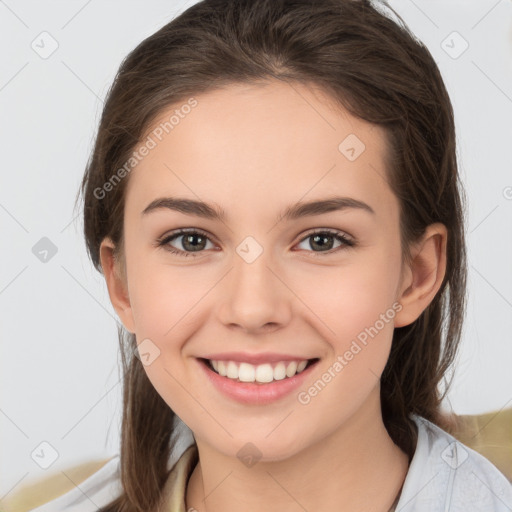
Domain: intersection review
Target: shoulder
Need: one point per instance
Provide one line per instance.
(74, 490)
(445, 474)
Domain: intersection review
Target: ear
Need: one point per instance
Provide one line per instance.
(116, 283)
(424, 275)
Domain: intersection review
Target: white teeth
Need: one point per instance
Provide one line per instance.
(246, 372)
(232, 370)
(301, 366)
(280, 371)
(264, 373)
(291, 369)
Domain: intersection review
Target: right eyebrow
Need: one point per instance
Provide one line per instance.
(187, 206)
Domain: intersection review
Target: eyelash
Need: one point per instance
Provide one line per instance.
(163, 241)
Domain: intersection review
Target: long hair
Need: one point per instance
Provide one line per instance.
(376, 69)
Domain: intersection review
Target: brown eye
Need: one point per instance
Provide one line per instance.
(195, 241)
(323, 241)
(191, 241)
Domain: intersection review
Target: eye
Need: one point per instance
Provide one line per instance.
(323, 241)
(193, 240)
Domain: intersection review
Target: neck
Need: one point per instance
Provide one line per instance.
(356, 468)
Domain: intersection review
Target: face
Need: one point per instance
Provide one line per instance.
(320, 286)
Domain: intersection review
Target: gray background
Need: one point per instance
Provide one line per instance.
(58, 354)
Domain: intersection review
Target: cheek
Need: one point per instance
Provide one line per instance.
(163, 297)
(352, 306)
(353, 296)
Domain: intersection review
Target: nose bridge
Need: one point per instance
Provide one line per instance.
(253, 266)
(255, 296)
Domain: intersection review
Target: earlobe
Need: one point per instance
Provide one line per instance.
(424, 276)
(116, 284)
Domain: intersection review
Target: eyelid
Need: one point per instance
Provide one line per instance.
(183, 231)
(330, 231)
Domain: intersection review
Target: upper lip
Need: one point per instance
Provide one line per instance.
(264, 357)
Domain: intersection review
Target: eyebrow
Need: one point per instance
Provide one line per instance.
(293, 212)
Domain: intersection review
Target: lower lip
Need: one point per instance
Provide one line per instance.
(253, 393)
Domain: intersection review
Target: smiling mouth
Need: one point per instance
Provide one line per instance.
(258, 374)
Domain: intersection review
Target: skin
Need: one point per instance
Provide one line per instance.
(254, 150)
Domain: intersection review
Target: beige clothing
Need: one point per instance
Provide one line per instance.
(173, 496)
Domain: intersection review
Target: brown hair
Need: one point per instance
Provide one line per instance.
(376, 69)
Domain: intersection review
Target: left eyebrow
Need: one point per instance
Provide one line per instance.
(293, 212)
(299, 210)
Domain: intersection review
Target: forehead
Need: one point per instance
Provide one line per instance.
(270, 143)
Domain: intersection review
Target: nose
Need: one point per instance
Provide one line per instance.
(254, 297)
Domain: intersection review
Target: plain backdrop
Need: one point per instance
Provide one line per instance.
(60, 382)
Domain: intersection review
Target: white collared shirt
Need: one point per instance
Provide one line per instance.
(444, 476)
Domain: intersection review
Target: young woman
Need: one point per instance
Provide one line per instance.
(273, 199)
